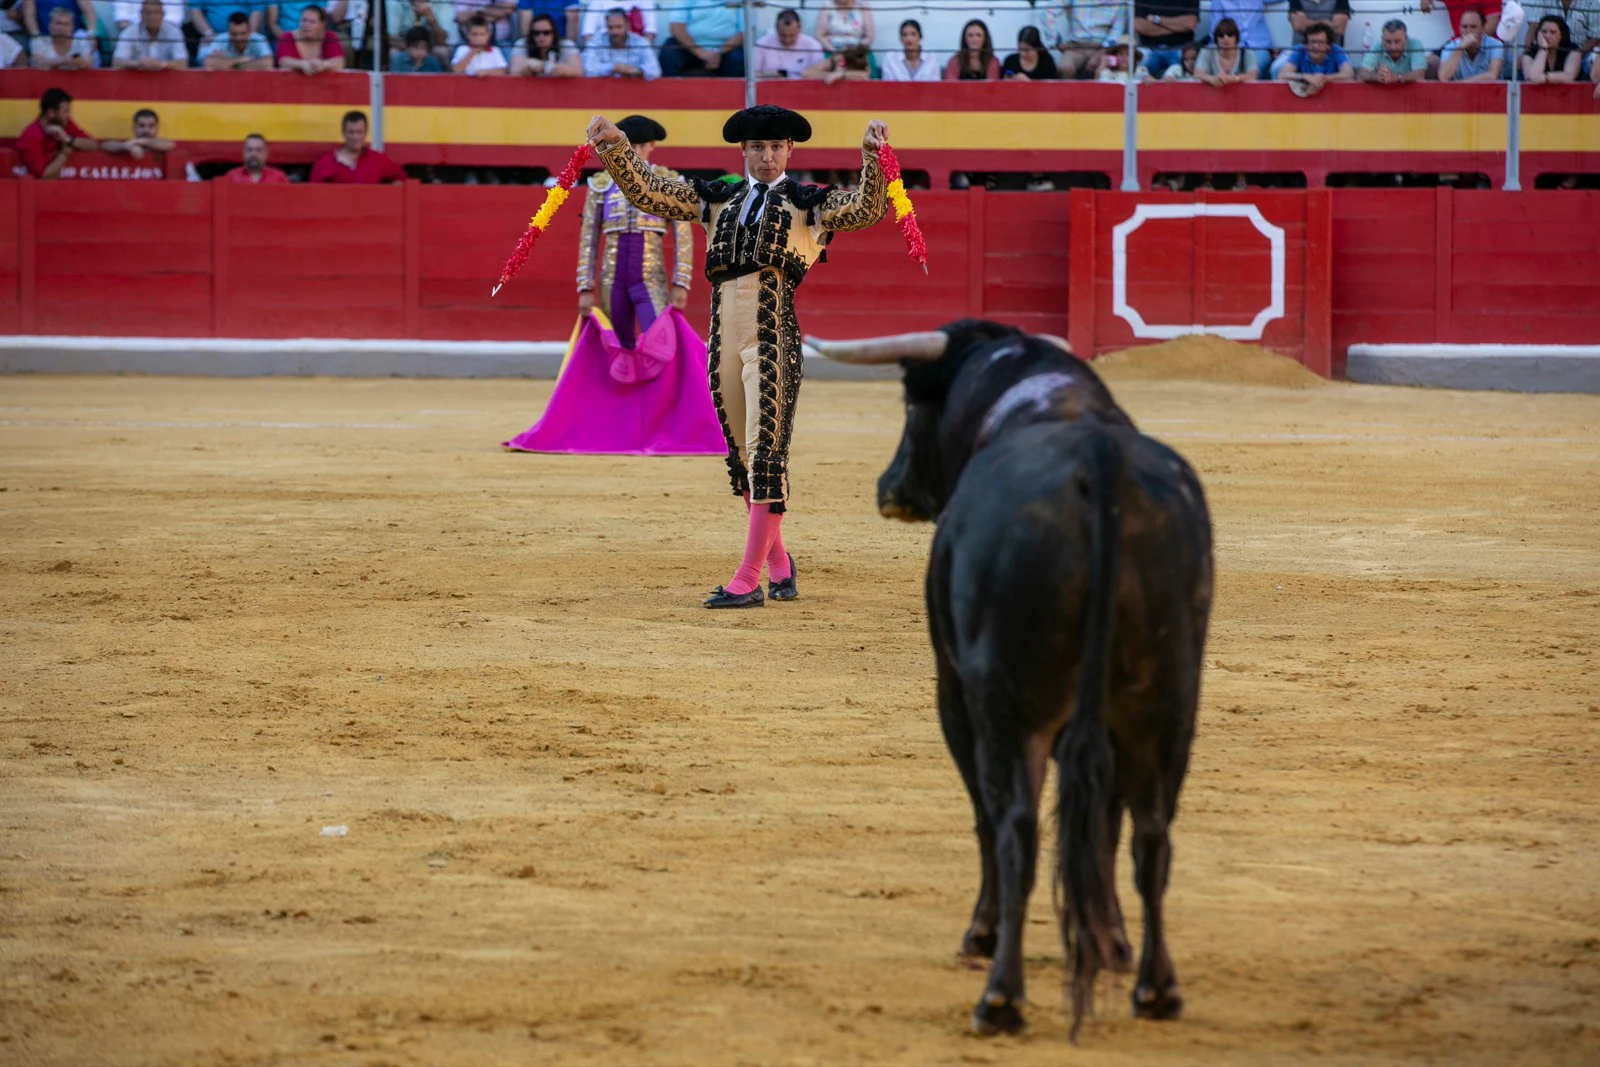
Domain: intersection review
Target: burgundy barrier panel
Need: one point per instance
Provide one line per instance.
(1252, 266)
(1431, 265)
(213, 259)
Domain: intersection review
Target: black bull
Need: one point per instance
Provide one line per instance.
(1068, 591)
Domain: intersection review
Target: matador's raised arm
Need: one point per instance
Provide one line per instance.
(665, 198)
(844, 210)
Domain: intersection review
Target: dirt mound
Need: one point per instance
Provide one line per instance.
(1201, 358)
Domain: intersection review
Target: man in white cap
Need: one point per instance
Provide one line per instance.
(762, 235)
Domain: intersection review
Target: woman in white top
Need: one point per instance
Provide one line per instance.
(911, 64)
(545, 54)
(847, 24)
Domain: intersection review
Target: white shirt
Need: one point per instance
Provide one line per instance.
(594, 16)
(490, 58)
(816, 230)
(171, 11)
(9, 50)
(896, 69)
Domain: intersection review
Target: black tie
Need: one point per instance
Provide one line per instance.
(754, 218)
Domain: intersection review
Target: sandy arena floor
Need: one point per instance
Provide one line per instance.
(590, 822)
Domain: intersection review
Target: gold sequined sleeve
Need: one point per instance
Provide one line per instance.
(682, 254)
(665, 198)
(589, 239)
(859, 208)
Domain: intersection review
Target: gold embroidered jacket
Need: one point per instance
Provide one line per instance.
(797, 220)
(606, 211)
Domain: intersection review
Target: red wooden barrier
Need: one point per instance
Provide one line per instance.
(1252, 267)
(214, 259)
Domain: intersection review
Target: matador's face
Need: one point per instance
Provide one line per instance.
(765, 160)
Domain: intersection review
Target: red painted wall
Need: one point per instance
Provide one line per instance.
(213, 259)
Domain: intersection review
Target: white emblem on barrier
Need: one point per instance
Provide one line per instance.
(1119, 269)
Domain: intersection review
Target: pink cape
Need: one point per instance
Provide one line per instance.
(650, 400)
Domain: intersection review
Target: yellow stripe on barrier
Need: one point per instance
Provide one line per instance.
(1262, 131)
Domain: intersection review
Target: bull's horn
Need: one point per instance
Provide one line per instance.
(921, 346)
(1059, 342)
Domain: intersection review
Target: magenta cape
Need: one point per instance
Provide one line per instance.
(650, 400)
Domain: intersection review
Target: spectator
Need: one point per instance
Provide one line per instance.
(46, 144)
(312, 49)
(846, 24)
(1184, 70)
(545, 55)
(1030, 62)
(254, 170)
(437, 17)
(285, 18)
(479, 58)
(975, 60)
(146, 137)
(353, 163)
(1311, 66)
(1249, 18)
(1122, 61)
(153, 44)
(1488, 12)
(704, 39)
(1303, 14)
(910, 64)
(618, 52)
(12, 54)
(1399, 60)
(500, 15)
(210, 18)
(786, 52)
(418, 58)
(1164, 27)
(1550, 57)
(1473, 56)
(126, 13)
(853, 64)
(641, 18)
(1081, 31)
(36, 13)
(239, 50)
(64, 49)
(1224, 62)
(1581, 16)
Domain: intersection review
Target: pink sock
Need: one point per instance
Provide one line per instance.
(758, 540)
(777, 555)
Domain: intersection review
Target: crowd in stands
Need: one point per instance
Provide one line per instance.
(1072, 40)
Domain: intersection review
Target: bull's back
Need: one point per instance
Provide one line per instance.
(1011, 570)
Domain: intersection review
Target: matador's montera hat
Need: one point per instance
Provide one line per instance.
(766, 122)
(638, 129)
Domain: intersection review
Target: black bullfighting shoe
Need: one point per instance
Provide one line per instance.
(784, 590)
(724, 599)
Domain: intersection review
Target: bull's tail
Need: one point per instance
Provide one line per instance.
(1090, 924)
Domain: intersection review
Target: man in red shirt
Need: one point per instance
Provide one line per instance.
(353, 163)
(48, 142)
(255, 170)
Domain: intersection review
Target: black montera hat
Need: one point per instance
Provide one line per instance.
(639, 129)
(766, 122)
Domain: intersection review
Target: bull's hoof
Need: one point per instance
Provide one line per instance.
(1152, 1003)
(994, 1015)
(975, 945)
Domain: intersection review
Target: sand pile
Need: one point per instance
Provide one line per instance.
(1202, 358)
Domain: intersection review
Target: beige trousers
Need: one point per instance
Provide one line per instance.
(752, 396)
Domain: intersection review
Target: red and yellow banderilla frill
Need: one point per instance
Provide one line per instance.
(904, 213)
(553, 199)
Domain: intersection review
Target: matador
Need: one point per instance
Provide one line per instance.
(763, 234)
(630, 282)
